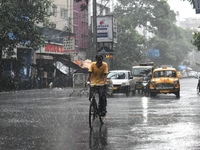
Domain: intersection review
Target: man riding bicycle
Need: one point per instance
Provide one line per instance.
(97, 72)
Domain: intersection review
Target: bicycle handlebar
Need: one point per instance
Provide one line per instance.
(93, 85)
(96, 84)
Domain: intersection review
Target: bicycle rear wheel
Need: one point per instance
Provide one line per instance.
(92, 114)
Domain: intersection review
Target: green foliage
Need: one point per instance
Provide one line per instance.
(128, 49)
(83, 6)
(196, 35)
(156, 18)
(192, 2)
(17, 64)
(196, 40)
(19, 17)
(174, 45)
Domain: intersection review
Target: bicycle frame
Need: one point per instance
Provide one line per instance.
(198, 86)
(94, 108)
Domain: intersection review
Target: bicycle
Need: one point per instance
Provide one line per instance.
(94, 108)
(198, 86)
(79, 92)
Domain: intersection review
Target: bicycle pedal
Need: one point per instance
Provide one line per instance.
(102, 113)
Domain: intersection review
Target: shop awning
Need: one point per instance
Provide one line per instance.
(63, 68)
(70, 64)
(44, 57)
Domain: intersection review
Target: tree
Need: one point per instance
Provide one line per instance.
(132, 15)
(154, 17)
(196, 35)
(196, 40)
(83, 6)
(176, 42)
(19, 19)
(192, 2)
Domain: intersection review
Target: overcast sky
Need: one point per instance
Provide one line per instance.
(185, 9)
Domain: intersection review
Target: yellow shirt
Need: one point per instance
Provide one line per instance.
(98, 73)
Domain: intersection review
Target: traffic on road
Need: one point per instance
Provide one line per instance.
(51, 119)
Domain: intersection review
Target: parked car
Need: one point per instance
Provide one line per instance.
(198, 75)
(123, 82)
(164, 80)
(192, 74)
(185, 74)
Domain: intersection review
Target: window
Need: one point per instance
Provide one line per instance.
(165, 73)
(49, 10)
(64, 13)
(117, 75)
(139, 71)
(61, 13)
(75, 19)
(54, 10)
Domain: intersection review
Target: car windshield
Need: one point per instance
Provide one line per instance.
(117, 75)
(139, 71)
(164, 73)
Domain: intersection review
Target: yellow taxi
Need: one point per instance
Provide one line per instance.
(164, 80)
(179, 75)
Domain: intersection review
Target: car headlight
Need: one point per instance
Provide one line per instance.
(153, 82)
(176, 82)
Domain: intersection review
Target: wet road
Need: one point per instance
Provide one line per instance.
(48, 119)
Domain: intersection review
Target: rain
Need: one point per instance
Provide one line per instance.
(151, 53)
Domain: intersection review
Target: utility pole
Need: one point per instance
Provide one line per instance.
(94, 26)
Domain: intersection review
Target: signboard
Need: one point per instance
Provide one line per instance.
(106, 29)
(69, 45)
(54, 48)
(153, 53)
(109, 56)
(51, 49)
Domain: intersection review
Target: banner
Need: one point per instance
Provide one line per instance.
(106, 29)
(69, 45)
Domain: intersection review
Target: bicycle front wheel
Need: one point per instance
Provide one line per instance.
(92, 115)
(102, 119)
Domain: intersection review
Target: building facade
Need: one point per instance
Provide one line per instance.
(80, 28)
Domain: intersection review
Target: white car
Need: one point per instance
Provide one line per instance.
(192, 74)
(123, 82)
(197, 75)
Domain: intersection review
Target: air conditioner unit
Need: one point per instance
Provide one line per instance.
(66, 28)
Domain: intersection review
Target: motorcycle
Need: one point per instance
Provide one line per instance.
(145, 87)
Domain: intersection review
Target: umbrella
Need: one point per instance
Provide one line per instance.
(188, 69)
(182, 67)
